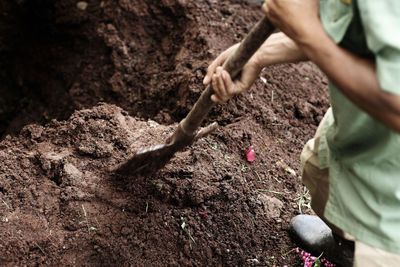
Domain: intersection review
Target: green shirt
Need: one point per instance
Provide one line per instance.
(362, 154)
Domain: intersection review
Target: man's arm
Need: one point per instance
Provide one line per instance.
(355, 77)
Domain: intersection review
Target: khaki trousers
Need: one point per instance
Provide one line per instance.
(317, 182)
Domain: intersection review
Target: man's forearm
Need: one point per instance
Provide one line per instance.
(279, 49)
(355, 77)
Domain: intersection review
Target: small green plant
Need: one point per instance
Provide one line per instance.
(186, 229)
(304, 200)
(44, 253)
(276, 179)
(244, 168)
(5, 204)
(86, 221)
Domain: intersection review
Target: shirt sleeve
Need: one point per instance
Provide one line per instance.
(381, 22)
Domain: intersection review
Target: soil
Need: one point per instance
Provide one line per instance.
(84, 87)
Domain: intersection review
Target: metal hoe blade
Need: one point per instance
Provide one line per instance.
(146, 160)
(151, 159)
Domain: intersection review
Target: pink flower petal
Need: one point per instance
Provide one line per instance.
(250, 155)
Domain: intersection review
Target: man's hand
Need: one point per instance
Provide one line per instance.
(223, 86)
(298, 19)
(278, 48)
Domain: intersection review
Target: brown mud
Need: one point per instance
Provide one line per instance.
(81, 89)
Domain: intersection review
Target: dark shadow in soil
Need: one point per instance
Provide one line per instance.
(42, 55)
(55, 58)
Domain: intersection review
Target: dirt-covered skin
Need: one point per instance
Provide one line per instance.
(145, 61)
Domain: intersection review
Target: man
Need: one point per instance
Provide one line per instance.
(352, 165)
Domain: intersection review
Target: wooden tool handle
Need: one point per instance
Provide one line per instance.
(233, 65)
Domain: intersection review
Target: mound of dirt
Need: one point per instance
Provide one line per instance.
(144, 61)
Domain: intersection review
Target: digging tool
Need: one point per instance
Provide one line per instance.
(148, 160)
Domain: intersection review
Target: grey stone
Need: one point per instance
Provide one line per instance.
(313, 235)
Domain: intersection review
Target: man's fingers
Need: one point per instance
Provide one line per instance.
(218, 92)
(218, 62)
(250, 72)
(268, 8)
(211, 69)
(214, 83)
(265, 8)
(219, 88)
(215, 99)
(223, 91)
(222, 85)
(228, 82)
